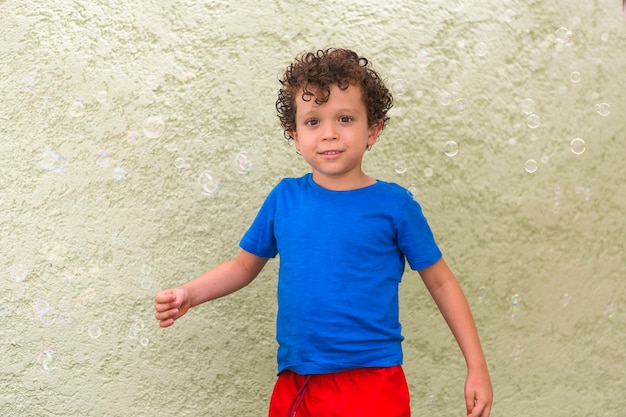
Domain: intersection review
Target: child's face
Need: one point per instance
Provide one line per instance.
(333, 136)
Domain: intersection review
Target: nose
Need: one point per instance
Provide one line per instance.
(330, 132)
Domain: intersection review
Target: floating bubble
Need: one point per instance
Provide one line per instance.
(400, 167)
(428, 172)
(423, 58)
(563, 35)
(180, 163)
(565, 299)
(52, 161)
(481, 293)
(603, 109)
(243, 163)
(44, 312)
(610, 311)
(412, 190)
(119, 174)
(531, 166)
(509, 16)
(431, 402)
(28, 84)
(118, 238)
(460, 105)
(545, 159)
(533, 121)
(451, 148)
(577, 146)
(445, 98)
(517, 352)
(45, 358)
(516, 305)
(102, 96)
(575, 76)
(399, 87)
(480, 49)
(528, 106)
(146, 283)
(94, 331)
(132, 137)
(153, 127)
(104, 158)
(77, 108)
(209, 184)
(19, 272)
(455, 88)
(144, 341)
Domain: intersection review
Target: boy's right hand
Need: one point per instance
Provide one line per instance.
(170, 305)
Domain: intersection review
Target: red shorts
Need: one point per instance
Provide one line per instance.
(363, 392)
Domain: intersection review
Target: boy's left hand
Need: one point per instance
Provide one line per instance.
(478, 395)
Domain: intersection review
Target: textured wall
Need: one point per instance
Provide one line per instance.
(138, 139)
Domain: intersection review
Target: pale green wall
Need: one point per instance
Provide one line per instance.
(93, 224)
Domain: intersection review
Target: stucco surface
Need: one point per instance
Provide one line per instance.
(111, 111)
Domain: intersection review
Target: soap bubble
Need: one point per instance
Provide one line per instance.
(563, 35)
(528, 106)
(533, 121)
(45, 358)
(445, 98)
(451, 148)
(428, 172)
(401, 167)
(431, 402)
(423, 58)
(153, 127)
(610, 311)
(517, 352)
(603, 109)
(132, 137)
(577, 146)
(515, 306)
(119, 174)
(243, 163)
(460, 105)
(209, 184)
(575, 76)
(77, 108)
(531, 166)
(455, 88)
(104, 158)
(180, 163)
(480, 49)
(28, 84)
(399, 87)
(102, 96)
(144, 341)
(52, 161)
(565, 299)
(94, 331)
(19, 272)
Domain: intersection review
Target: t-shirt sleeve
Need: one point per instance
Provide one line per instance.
(415, 237)
(259, 239)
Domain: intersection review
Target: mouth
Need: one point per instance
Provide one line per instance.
(330, 153)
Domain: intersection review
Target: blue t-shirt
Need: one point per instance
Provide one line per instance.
(342, 256)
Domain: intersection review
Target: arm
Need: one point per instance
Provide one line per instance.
(217, 282)
(449, 297)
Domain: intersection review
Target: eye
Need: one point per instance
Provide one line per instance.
(345, 119)
(311, 122)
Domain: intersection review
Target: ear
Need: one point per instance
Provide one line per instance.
(294, 135)
(373, 132)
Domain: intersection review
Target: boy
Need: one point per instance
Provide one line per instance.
(343, 238)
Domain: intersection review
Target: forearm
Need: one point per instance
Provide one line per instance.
(448, 295)
(455, 310)
(224, 278)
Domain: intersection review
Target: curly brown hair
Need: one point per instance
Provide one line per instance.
(318, 71)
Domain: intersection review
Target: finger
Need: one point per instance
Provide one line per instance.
(166, 314)
(477, 409)
(165, 297)
(166, 323)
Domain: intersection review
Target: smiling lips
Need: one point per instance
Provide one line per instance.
(330, 153)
